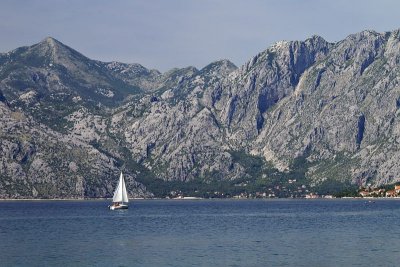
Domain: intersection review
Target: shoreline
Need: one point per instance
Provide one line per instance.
(196, 198)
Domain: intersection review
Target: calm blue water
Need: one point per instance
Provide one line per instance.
(201, 233)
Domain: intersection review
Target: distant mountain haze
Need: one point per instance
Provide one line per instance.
(324, 114)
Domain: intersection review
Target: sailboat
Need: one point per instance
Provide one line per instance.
(120, 199)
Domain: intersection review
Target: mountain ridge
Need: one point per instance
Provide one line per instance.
(325, 113)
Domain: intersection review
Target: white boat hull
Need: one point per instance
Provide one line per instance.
(119, 207)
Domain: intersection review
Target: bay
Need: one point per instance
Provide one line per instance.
(283, 232)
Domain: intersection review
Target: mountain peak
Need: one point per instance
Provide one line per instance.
(224, 62)
(47, 47)
(221, 67)
(55, 50)
(363, 35)
(316, 38)
(51, 43)
(49, 40)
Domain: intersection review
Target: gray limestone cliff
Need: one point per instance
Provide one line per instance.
(69, 123)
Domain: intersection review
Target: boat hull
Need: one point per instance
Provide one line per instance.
(119, 207)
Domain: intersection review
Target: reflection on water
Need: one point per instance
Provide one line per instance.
(200, 233)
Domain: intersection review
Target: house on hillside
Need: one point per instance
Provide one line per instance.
(391, 193)
(397, 189)
(378, 192)
(364, 193)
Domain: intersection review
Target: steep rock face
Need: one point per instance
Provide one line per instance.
(177, 136)
(344, 104)
(136, 75)
(69, 123)
(40, 163)
(49, 81)
(245, 96)
(182, 141)
(54, 70)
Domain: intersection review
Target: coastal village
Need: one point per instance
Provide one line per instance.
(379, 192)
(298, 191)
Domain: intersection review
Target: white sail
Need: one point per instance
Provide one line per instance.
(120, 194)
(124, 193)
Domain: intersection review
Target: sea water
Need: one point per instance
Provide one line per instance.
(201, 233)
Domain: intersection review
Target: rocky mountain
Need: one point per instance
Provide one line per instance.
(324, 115)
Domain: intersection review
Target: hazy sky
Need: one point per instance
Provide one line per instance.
(163, 34)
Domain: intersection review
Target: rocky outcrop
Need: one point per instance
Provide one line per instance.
(37, 162)
(70, 123)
